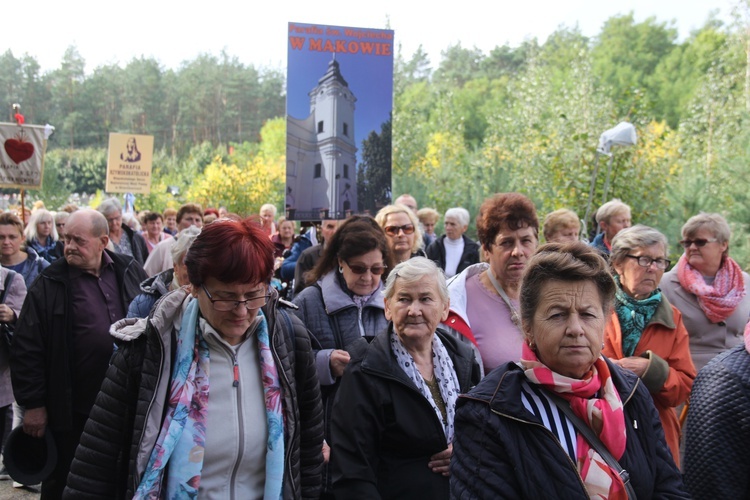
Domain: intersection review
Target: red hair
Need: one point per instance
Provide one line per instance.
(232, 251)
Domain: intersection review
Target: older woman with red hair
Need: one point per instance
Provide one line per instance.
(253, 429)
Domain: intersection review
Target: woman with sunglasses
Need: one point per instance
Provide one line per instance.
(401, 226)
(645, 333)
(708, 288)
(215, 394)
(343, 306)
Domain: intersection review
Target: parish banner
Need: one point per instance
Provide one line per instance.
(22, 155)
(339, 103)
(129, 163)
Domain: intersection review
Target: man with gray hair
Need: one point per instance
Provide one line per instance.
(454, 251)
(612, 217)
(61, 346)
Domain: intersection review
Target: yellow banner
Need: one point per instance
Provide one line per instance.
(129, 163)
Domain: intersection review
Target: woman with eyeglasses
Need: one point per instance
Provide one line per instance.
(343, 305)
(709, 288)
(401, 226)
(645, 333)
(214, 395)
(484, 297)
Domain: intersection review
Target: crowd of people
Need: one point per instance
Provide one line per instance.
(199, 353)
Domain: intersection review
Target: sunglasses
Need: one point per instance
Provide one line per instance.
(700, 242)
(358, 269)
(393, 230)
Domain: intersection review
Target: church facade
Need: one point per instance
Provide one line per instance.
(321, 180)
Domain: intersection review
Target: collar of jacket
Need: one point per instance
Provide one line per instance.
(501, 389)
(664, 314)
(58, 270)
(335, 299)
(379, 361)
(457, 289)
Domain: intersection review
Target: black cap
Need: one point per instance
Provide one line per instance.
(29, 460)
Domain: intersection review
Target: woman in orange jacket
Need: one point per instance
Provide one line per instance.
(645, 333)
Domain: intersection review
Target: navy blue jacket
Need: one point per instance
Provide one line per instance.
(501, 450)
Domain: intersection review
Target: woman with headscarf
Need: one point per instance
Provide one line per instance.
(645, 333)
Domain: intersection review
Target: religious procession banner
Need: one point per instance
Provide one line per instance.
(129, 163)
(339, 104)
(22, 155)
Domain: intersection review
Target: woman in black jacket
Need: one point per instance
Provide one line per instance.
(527, 430)
(393, 415)
(214, 395)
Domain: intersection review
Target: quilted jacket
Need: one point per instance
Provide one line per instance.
(125, 421)
(717, 434)
(501, 450)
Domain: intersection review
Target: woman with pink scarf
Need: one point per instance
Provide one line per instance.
(563, 421)
(708, 288)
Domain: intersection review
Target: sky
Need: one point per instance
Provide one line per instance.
(256, 32)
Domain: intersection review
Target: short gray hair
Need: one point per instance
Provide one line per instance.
(611, 208)
(638, 236)
(413, 270)
(713, 222)
(109, 206)
(460, 213)
(184, 240)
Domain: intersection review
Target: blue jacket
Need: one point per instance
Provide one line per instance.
(151, 290)
(598, 243)
(501, 450)
(299, 246)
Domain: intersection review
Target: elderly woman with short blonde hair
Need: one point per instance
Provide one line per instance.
(709, 288)
(401, 227)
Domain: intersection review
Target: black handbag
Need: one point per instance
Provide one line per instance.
(6, 330)
(594, 441)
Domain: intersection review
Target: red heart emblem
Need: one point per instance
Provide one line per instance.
(18, 150)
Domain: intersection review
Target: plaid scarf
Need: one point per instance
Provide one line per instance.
(604, 414)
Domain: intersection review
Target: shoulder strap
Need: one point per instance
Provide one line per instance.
(593, 440)
(8, 281)
(289, 330)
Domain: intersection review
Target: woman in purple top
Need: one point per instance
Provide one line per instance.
(484, 297)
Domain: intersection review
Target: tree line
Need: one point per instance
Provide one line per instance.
(523, 118)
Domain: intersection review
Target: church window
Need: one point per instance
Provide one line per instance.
(320, 126)
(318, 170)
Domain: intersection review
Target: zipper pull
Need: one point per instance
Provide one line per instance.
(635, 424)
(236, 371)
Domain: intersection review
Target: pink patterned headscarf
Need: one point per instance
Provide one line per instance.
(719, 301)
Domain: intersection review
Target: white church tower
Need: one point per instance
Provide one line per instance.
(321, 152)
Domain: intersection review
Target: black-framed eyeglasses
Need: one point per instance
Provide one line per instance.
(699, 242)
(377, 270)
(225, 305)
(645, 261)
(393, 230)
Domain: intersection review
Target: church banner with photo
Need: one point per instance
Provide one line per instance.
(22, 155)
(339, 104)
(129, 163)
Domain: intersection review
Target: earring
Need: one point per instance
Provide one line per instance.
(341, 270)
